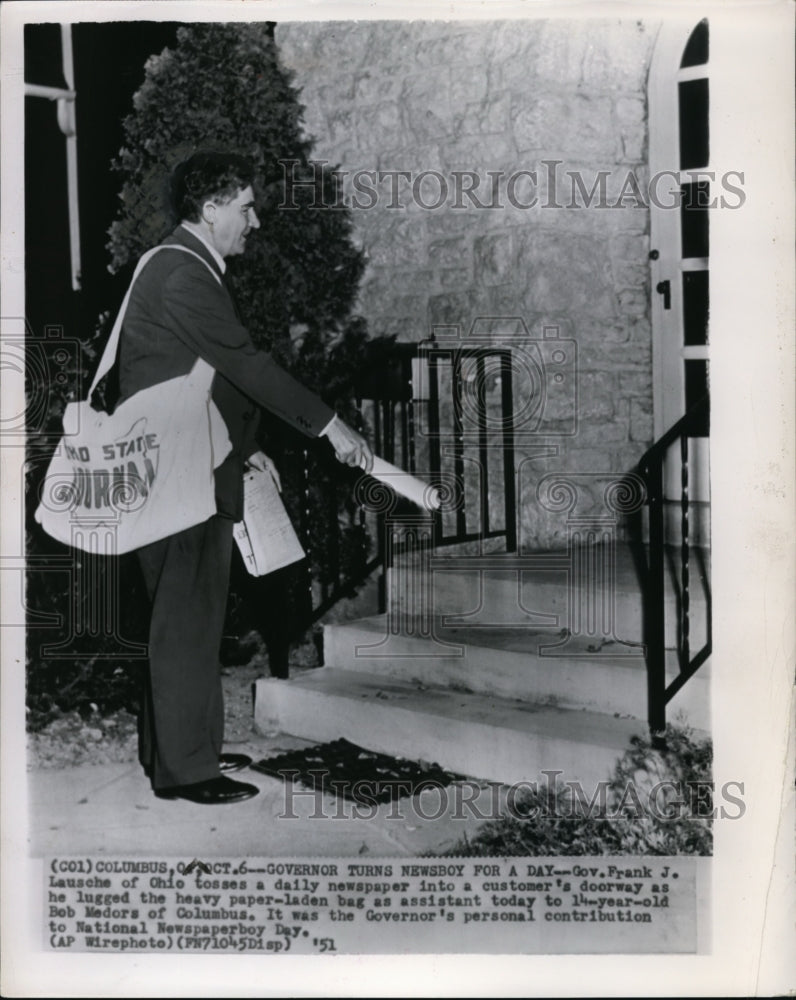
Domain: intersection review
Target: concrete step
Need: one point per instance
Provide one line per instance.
(596, 592)
(476, 735)
(544, 666)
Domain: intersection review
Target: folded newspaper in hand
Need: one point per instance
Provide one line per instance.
(266, 537)
(408, 486)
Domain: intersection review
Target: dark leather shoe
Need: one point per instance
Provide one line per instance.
(229, 762)
(213, 792)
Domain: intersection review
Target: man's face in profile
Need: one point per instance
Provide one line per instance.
(233, 221)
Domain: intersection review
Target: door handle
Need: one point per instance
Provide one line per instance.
(664, 288)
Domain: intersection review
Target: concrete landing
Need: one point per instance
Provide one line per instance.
(599, 594)
(477, 735)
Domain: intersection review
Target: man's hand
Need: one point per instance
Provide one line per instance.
(260, 461)
(349, 447)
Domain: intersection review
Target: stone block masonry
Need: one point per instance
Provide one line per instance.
(500, 169)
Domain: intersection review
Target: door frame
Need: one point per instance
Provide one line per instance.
(668, 374)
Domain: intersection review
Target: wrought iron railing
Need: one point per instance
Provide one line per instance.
(653, 555)
(423, 413)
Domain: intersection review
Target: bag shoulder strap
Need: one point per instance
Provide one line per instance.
(112, 346)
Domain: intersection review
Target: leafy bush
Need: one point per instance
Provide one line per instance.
(630, 817)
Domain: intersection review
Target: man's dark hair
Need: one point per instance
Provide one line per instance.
(208, 175)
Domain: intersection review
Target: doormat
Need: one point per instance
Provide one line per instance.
(351, 772)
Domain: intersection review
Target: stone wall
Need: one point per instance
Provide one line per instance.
(511, 110)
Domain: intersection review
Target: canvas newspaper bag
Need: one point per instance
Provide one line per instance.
(122, 480)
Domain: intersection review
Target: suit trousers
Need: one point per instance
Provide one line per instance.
(181, 729)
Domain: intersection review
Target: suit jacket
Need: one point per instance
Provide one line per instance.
(178, 311)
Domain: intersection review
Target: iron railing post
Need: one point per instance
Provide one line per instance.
(458, 441)
(509, 483)
(651, 467)
(483, 446)
(685, 565)
(654, 607)
(435, 454)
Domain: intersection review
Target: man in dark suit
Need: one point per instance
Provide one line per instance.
(179, 309)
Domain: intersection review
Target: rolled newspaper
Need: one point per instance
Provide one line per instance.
(406, 485)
